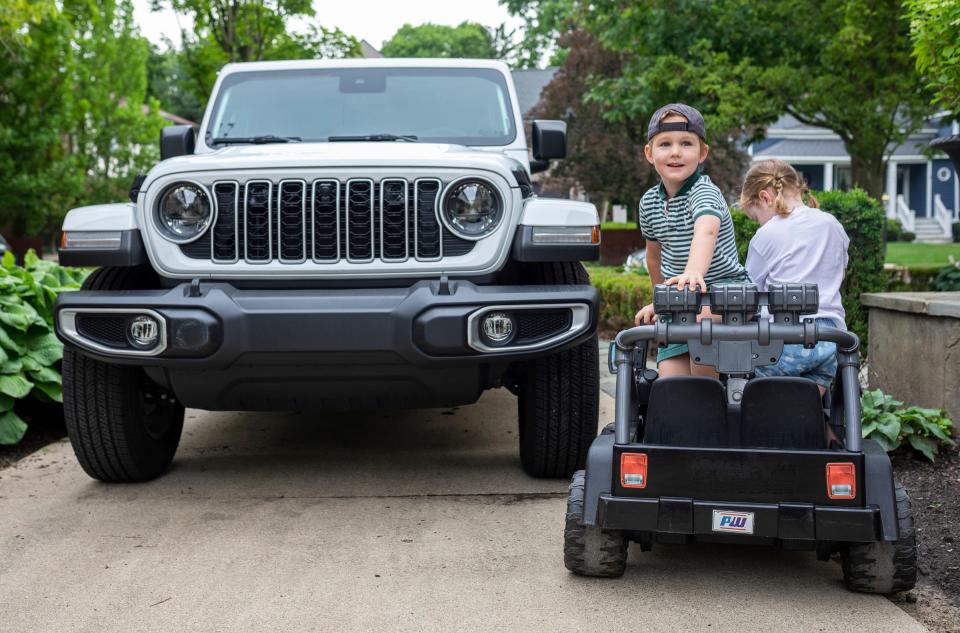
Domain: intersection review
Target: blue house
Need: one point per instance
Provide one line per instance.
(920, 190)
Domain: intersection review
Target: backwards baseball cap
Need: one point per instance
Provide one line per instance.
(694, 121)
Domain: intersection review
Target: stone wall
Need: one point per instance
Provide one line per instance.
(915, 347)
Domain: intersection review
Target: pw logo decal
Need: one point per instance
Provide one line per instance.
(729, 521)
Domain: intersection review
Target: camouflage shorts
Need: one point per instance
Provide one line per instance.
(818, 364)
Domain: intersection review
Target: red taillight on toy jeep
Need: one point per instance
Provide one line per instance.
(633, 470)
(841, 480)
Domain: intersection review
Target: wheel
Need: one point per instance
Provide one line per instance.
(588, 550)
(558, 396)
(884, 567)
(123, 427)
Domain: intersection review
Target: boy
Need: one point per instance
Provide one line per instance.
(686, 222)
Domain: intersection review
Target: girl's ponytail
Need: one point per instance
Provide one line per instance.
(782, 177)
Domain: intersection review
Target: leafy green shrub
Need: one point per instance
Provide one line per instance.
(29, 350)
(621, 294)
(894, 230)
(743, 230)
(619, 226)
(955, 229)
(908, 236)
(863, 219)
(924, 430)
(948, 278)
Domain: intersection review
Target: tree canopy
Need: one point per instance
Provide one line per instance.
(226, 31)
(935, 30)
(466, 40)
(74, 122)
(843, 65)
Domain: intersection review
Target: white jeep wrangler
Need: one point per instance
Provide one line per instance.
(349, 233)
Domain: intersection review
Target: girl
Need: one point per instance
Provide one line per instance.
(795, 243)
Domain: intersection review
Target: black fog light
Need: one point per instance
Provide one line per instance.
(143, 332)
(497, 328)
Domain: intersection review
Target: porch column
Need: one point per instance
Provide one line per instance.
(929, 189)
(828, 176)
(891, 189)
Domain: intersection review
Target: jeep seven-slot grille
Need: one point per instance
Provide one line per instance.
(327, 221)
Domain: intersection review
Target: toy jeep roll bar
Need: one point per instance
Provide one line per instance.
(743, 459)
(737, 345)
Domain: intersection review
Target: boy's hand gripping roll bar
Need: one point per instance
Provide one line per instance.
(740, 343)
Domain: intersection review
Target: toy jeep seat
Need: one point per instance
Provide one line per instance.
(776, 412)
(782, 412)
(687, 411)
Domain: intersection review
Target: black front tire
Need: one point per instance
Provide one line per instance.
(884, 567)
(588, 550)
(123, 427)
(558, 396)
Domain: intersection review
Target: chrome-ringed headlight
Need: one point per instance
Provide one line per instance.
(184, 212)
(471, 208)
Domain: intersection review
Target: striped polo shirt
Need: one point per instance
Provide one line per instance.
(670, 222)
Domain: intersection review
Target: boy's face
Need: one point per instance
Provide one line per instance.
(675, 155)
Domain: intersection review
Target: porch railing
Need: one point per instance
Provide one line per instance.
(942, 215)
(906, 215)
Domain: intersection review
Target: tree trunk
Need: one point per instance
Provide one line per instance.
(867, 172)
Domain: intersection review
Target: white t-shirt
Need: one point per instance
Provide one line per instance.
(808, 246)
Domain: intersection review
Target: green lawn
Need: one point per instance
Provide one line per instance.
(915, 255)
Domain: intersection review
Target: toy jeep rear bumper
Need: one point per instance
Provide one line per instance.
(784, 491)
(230, 348)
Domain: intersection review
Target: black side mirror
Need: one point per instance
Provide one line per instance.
(177, 140)
(549, 140)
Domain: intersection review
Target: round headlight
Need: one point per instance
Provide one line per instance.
(472, 209)
(185, 212)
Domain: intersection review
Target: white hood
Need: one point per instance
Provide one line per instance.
(396, 156)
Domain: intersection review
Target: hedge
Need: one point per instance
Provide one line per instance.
(621, 294)
(864, 221)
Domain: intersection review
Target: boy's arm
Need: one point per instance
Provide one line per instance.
(705, 230)
(653, 262)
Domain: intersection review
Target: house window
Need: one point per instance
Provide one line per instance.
(843, 178)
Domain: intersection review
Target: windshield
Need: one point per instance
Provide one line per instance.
(467, 106)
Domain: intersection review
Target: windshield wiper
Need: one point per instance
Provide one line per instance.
(258, 140)
(374, 137)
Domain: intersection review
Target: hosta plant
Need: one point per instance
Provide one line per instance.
(29, 351)
(924, 430)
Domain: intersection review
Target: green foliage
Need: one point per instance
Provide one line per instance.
(924, 430)
(29, 350)
(249, 30)
(619, 226)
(908, 236)
(621, 294)
(73, 124)
(863, 219)
(935, 31)
(894, 230)
(468, 39)
(744, 63)
(168, 82)
(948, 278)
(955, 229)
(743, 230)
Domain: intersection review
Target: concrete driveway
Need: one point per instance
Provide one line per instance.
(409, 521)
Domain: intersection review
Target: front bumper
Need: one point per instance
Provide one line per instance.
(230, 348)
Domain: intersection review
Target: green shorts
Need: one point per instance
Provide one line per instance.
(679, 349)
